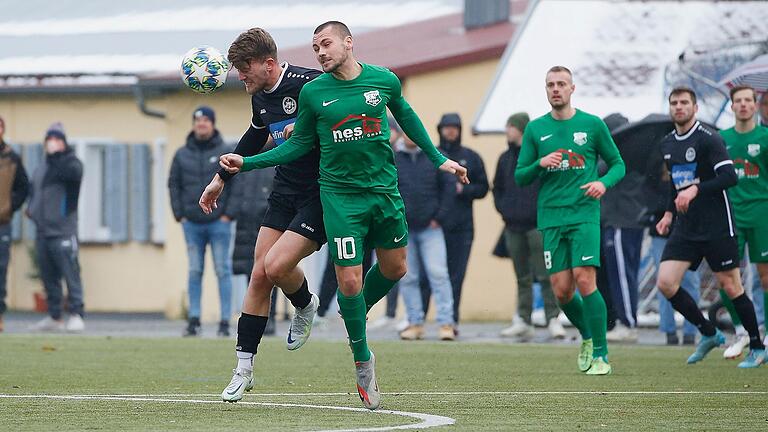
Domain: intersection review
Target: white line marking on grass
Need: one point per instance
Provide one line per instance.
(427, 420)
(458, 393)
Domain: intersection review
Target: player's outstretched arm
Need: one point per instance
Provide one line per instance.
(607, 149)
(252, 141)
(725, 173)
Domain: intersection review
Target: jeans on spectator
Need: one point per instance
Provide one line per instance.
(219, 235)
(691, 283)
(429, 244)
(527, 252)
(57, 258)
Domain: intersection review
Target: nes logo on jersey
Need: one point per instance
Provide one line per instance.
(289, 105)
(276, 130)
(579, 138)
(350, 130)
(753, 149)
(684, 175)
(372, 97)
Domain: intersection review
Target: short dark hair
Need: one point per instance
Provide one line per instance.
(560, 69)
(739, 88)
(338, 26)
(253, 44)
(682, 89)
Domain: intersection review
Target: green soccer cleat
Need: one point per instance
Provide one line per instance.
(600, 366)
(754, 359)
(706, 344)
(584, 360)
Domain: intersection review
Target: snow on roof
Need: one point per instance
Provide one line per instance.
(143, 37)
(621, 54)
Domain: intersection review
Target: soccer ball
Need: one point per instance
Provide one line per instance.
(204, 69)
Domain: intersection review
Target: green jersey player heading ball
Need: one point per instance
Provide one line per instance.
(346, 110)
(561, 149)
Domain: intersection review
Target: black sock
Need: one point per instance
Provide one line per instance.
(301, 298)
(683, 303)
(250, 328)
(746, 311)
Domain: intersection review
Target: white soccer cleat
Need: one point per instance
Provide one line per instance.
(242, 381)
(737, 347)
(75, 324)
(367, 387)
(301, 325)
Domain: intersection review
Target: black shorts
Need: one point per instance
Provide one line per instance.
(721, 254)
(302, 214)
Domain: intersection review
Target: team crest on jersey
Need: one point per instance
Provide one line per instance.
(579, 138)
(289, 105)
(372, 97)
(690, 154)
(753, 149)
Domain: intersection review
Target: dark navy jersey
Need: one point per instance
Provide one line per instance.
(274, 109)
(696, 158)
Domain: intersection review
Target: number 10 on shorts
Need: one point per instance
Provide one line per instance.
(345, 247)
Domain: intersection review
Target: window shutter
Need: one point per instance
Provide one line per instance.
(140, 195)
(115, 198)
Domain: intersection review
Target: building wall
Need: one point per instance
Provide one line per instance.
(147, 277)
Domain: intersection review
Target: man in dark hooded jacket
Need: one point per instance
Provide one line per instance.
(459, 226)
(193, 166)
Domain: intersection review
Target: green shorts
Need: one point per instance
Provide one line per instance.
(358, 221)
(570, 246)
(757, 240)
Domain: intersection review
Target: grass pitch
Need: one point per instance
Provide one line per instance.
(481, 386)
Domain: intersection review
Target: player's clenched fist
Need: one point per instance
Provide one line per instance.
(551, 160)
(231, 162)
(456, 169)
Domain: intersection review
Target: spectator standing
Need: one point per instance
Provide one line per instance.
(459, 226)
(517, 206)
(53, 209)
(192, 167)
(426, 192)
(14, 187)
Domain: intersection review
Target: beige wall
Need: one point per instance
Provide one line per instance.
(145, 277)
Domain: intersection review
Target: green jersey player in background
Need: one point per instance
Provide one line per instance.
(561, 149)
(346, 109)
(747, 145)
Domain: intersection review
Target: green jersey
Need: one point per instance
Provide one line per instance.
(350, 119)
(749, 152)
(580, 139)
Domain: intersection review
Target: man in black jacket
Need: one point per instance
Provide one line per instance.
(53, 209)
(459, 226)
(14, 187)
(517, 206)
(426, 192)
(193, 165)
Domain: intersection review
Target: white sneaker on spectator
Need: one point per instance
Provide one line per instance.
(381, 322)
(518, 329)
(48, 324)
(75, 324)
(622, 333)
(556, 330)
(737, 347)
(402, 325)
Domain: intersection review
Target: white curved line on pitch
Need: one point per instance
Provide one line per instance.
(427, 420)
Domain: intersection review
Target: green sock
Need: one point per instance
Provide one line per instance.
(765, 308)
(731, 310)
(574, 310)
(376, 286)
(597, 319)
(353, 312)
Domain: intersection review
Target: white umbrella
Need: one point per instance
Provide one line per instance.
(753, 73)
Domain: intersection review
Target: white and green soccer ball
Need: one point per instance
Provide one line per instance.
(204, 69)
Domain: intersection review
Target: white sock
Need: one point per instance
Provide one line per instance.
(244, 360)
(740, 330)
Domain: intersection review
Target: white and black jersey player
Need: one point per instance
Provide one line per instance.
(292, 228)
(701, 221)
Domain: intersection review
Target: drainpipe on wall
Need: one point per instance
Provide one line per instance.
(141, 102)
